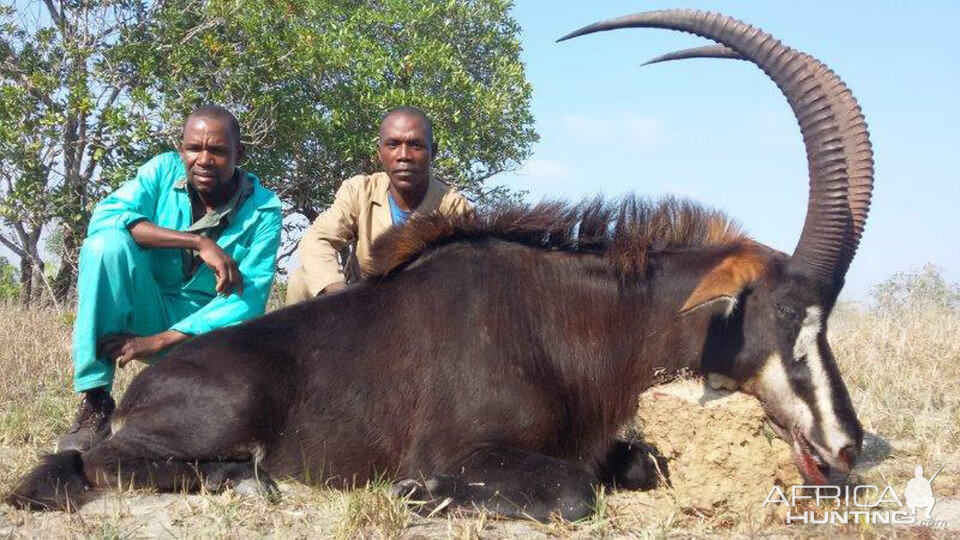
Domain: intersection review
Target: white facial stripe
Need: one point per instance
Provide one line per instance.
(806, 345)
(775, 386)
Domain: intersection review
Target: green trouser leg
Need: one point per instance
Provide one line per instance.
(117, 294)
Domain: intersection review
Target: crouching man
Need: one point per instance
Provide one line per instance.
(187, 246)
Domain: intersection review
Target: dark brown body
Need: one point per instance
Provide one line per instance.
(481, 342)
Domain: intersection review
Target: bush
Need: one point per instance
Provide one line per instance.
(923, 289)
(9, 284)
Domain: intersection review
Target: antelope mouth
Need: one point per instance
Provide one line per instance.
(813, 467)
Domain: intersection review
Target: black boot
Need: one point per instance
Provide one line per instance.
(92, 424)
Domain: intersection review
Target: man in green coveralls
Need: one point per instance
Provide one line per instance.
(187, 246)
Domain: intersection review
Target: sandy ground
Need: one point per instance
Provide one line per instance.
(722, 463)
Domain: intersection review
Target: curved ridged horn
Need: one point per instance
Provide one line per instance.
(707, 51)
(839, 155)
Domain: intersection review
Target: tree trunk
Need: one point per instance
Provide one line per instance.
(26, 281)
(66, 278)
(75, 217)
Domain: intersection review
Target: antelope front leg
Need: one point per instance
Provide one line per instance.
(506, 482)
(632, 466)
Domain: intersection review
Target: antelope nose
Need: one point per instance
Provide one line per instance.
(849, 454)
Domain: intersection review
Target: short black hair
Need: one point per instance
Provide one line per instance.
(217, 112)
(409, 111)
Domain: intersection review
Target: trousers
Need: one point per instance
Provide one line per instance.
(118, 293)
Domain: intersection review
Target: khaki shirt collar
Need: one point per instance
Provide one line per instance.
(431, 199)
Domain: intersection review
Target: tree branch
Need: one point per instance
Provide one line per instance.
(13, 247)
(28, 84)
(286, 254)
(57, 16)
(141, 22)
(98, 135)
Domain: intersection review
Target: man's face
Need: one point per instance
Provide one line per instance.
(209, 153)
(405, 151)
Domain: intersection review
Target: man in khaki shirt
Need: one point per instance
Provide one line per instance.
(366, 206)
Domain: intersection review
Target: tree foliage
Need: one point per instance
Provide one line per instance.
(66, 117)
(90, 88)
(311, 79)
(9, 289)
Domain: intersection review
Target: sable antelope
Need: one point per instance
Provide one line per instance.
(488, 361)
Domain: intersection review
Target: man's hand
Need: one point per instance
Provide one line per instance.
(334, 287)
(224, 267)
(126, 347)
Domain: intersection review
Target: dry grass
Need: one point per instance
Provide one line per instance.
(372, 512)
(901, 361)
(905, 375)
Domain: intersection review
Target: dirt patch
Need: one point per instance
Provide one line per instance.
(722, 461)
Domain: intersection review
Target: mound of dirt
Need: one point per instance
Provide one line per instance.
(722, 462)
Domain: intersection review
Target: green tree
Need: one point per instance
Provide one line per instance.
(69, 120)
(90, 88)
(310, 80)
(9, 288)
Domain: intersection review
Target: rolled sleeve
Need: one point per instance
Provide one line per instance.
(321, 244)
(258, 266)
(136, 199)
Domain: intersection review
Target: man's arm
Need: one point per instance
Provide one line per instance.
(149, 236)
(132, 206)
(258, 264)
(321, 244)
(126, 347)
(136, 199)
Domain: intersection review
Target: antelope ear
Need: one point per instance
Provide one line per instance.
(725, 281)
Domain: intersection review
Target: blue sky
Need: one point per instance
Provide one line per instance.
(721, 133)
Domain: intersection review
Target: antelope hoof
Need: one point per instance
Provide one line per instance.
(257, 487)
